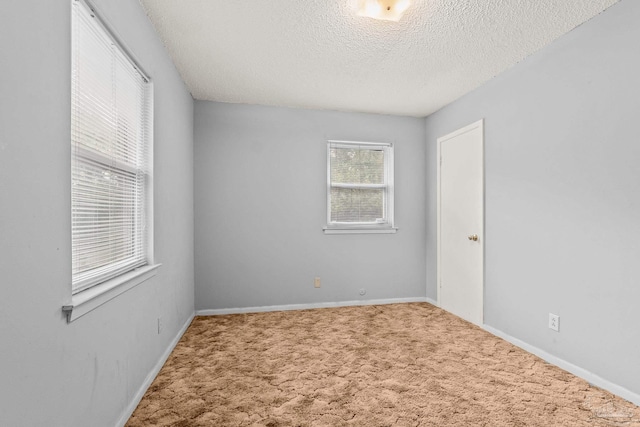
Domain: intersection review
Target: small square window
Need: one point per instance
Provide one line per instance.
(359, 187)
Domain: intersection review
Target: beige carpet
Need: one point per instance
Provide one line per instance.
(386, 365)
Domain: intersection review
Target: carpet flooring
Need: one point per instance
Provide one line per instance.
(386, 365)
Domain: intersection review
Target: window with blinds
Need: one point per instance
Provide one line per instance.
(359, 185)
(111, 131)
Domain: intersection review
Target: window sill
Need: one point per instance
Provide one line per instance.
(92, 298)
(388, 230)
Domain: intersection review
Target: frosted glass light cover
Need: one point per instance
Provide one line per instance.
(387, 10)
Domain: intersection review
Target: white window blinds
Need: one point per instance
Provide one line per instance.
(111, 123)
(360, 184)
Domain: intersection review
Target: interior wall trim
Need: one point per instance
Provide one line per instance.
(289, 307)
(152, 375)
(586, 375)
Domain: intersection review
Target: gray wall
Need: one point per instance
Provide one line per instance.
(562, 195)
(260, 190)
(87, 372)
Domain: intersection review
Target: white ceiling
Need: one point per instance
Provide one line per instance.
(321, 54)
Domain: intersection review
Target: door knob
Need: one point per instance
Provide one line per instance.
(473, 237)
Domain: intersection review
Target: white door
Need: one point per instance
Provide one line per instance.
(460, 222)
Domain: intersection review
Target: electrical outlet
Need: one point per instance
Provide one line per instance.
(363, 291)
(554, 322)
(159, 325)
(316, 282)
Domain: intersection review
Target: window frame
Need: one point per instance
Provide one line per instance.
(84, 298)
(388, 226)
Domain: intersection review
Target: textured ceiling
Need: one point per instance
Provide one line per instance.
(321, 54)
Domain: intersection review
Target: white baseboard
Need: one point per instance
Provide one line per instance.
(152, 375)
(569, 367)
(240, 310)
(431, 301)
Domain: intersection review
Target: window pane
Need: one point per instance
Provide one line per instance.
(357, 205)
(104, 215)
(357, 165)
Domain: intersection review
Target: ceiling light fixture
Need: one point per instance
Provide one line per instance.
(386, 10)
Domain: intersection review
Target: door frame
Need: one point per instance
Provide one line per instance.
(440, 140)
